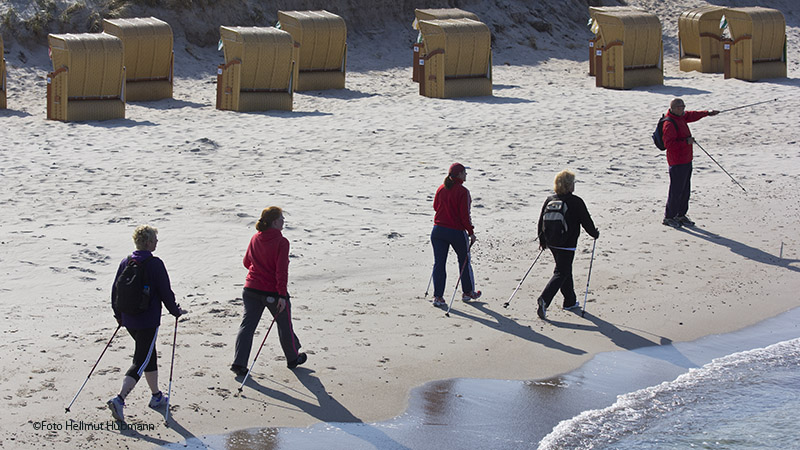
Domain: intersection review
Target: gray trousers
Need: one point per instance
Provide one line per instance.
(254, 303)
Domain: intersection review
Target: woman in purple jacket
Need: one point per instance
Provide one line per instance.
(143, 327)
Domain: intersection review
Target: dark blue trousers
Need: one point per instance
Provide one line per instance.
(680, 186)
(442, 239)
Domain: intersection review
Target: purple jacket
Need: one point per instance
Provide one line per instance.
(160, 291)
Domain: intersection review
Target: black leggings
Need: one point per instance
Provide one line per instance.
(144, 355)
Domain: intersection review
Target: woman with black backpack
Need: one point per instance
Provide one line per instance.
(559, 226)
(140, 287)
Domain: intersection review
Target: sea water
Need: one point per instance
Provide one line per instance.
(746, 400)
(734, 391)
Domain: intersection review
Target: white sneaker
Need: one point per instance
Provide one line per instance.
(474, 295)
(439, 302)
(116, 405)
(575, 305)
(158, 400)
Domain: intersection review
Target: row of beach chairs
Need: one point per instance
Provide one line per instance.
(96, 74)
(745, 43)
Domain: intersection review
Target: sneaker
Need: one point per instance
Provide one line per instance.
(575, 305)
(240, 371)
(542, 310)
(671, 222)
(439, 302)
(301, 358)
(116, 405)
(158, 400)
(474, 295)
(685, 221)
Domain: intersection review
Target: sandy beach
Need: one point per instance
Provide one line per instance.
(355, 171)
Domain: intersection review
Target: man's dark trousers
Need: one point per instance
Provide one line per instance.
(680, 186)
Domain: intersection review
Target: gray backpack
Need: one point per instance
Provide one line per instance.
(555, 223)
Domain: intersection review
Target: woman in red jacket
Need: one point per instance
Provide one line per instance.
(452, 227)
(267, 262)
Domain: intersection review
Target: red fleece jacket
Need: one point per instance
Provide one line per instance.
(267, 262)
(679, 149)
(452, 207)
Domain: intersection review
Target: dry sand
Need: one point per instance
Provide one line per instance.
(356, 170)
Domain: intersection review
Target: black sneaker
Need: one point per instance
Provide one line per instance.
(542, 310)
(301, 358)
(672, 222)
(685, 221)
(240, 371)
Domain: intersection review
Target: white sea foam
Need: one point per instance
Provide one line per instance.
(678, 412)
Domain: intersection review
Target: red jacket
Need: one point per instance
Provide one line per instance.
(679, 151)
(452, 207)
(267, 262)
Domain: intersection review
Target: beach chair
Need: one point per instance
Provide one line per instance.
(457, 59)
(149, 58)
(594, 27)
(3, 84)
(88, 78)
(258, 73)
(322, 41)
(757, 45)
(433, 14)
(629, 51)
(700, 39)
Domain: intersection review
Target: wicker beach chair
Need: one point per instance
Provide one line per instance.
(258, 73)
(149, 58)
(88, 78)
(321, 38)
(757, 45)
(432, 14)
(629, 51)
(458, 58)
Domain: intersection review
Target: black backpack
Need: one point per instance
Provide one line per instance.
(554, 222)
(658, 135)
(132, 289)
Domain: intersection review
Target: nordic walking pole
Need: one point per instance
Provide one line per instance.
(171, 365)
(466, 262)
(257, 353)
(720, 166)
(93, 367)
(585, 296)
(747, 106)
(429, 285)
(505, 305)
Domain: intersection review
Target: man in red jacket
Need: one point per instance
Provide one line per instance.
(678, 140)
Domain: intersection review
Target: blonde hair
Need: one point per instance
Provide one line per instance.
(268, 215)
(142, 235)
(564, 183)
